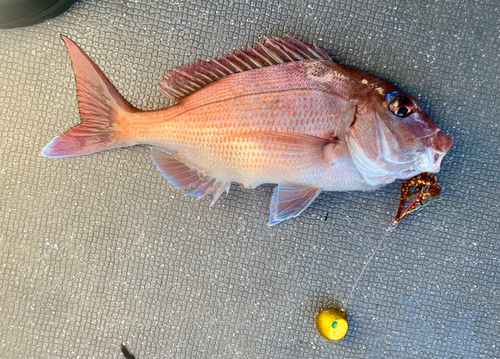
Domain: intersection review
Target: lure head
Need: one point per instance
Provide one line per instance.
(391, 136)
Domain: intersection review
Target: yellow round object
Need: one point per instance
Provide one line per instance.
(332, 323)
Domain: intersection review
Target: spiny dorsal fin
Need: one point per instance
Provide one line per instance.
(185, 80)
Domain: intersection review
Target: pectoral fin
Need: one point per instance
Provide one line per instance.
(289, 200)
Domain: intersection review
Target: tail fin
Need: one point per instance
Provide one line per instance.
(100, 107)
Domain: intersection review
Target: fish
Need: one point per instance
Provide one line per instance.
(281, 112)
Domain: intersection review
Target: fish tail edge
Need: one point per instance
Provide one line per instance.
(101, 108)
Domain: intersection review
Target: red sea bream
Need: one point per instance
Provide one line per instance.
(282, 112)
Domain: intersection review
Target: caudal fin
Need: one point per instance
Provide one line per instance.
(101, 108)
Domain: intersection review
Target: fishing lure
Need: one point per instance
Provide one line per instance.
(424, 187)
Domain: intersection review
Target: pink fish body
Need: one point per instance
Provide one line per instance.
(281, 113)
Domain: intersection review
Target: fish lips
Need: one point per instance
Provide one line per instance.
(438, 146)
(418, 131)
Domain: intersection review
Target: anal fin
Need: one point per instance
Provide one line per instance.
(289, 200)
(209, 186)
(182, 176)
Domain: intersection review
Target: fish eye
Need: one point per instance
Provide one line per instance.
(401, 106)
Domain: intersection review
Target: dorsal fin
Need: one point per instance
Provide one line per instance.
(185, 80)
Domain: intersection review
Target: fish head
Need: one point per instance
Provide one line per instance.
(392, 136)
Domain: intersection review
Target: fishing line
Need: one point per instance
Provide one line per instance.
(420, 207)
(366, 265)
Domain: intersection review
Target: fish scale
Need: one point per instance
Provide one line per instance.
(282, 112)
(202, 130)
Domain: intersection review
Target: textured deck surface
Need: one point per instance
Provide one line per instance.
(100, 250)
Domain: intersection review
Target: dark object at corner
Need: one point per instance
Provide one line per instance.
(18, 13)
(126, 353)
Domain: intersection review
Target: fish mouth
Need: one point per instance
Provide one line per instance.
(409, 174)
(438, 145)
(378, 173)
